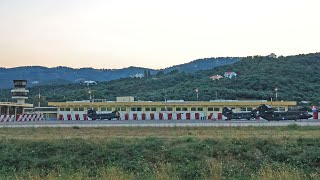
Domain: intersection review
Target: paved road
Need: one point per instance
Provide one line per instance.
(157, 123)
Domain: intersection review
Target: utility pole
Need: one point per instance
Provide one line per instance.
(197, 91)
(39, 99)
(276, 89)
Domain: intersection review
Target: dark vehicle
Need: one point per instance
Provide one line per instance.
(94, 115)
(268, 113)
(227, 112)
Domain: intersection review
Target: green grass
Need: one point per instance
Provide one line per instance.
(163, 153)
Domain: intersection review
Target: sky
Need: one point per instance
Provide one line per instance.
(112, 34)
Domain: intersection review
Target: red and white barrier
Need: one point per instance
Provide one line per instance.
(22, 117)
(139, 116)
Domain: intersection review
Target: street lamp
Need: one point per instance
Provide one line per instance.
(197, 91)
(276, 89)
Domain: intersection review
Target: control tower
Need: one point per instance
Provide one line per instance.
(19, 92)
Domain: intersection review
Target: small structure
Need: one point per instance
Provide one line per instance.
(125, 99)
(90, 82)
(216, 77)
(230, 75)
(272, 55)
(138, 75)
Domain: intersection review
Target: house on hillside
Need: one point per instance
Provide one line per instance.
(138, 75)
(230, 75)
(90, 82)
(216, 77)
(272, 55)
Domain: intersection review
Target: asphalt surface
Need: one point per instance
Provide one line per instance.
(157, 123)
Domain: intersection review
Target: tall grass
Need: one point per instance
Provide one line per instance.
(280, 172)
(183, 157)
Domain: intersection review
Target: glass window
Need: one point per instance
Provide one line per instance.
(210, 109)
(163, 109)
(123, 109)
(103, 109)
(200, 109)
(118, 108)
(216, 109)
(169, 108)
(193, 109)
(133, 109)
(184, 109)
(153, 109)
(139, 108)
(75, 109)
(109, 108)
(178, 108)
(62, 109)
(249, 108)
(81, 109)
(67, 109)
(243, 109)
(147, 109)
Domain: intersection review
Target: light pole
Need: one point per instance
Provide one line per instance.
(276, 89)
(197, 91)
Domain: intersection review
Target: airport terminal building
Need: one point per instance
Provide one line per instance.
(166, 110)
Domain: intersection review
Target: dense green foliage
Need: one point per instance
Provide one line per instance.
(187, 157)
(296, 77)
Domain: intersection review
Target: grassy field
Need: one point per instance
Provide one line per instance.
(290, 152)
(96, 134)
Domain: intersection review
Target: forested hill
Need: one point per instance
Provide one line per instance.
(37, 75)
(296, 77)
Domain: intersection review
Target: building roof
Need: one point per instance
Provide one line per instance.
(184, 103)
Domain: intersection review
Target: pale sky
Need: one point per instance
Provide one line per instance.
(153, 34)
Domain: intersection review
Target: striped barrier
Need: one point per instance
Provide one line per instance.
(141, 116)
(22, 117)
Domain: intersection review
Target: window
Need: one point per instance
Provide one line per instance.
(81, 109)
(103, 109)
(118, 108)
(62, 109)
(75, 109)
(123, 109)
(216, 109)
(67, 109)
(193, 109)
(184, 109)
(200, 109)
(169, 108)
(249, 108)
(133, 109)
(147, 109)
(281, 109)
(163, 109)
(109, 108)
(243, 109)
(178, 108)
(153, 109)
(139, 108)
(210, 109)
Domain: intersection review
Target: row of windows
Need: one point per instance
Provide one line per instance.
(140, 109)
(161, 109)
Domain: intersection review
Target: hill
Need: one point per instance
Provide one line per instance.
(37, 75)
(296, 77)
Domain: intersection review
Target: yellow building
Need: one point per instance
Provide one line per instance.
(144, 110)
